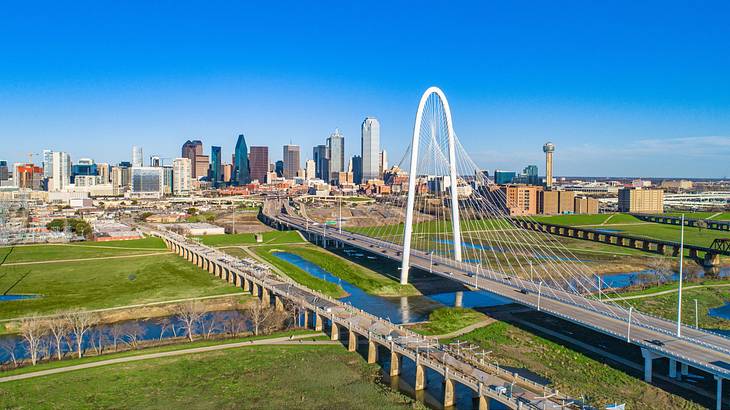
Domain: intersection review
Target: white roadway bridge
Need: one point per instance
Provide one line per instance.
(696, 348)
(486, 380)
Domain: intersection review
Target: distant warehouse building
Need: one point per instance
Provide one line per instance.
(586, 205)
(637, 200)
(553, 202)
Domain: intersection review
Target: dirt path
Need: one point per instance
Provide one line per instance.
(665, 292)
(136, 255)
(608, 219)
(275, 341)
(465, 330)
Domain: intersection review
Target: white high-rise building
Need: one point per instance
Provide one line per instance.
(182, 175)
(137, 159)
(382, 163)
(147, 182)
(310, 169)
(336, 152)
(47, 163)
(60, 172)
(370, 142)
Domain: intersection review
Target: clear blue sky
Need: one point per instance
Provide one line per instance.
(621, 88)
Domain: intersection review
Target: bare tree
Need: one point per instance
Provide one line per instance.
(133, 332)
(116, 332)
(98, 339)
(32, 329)
(234, 323)
(662, 269)
(80, 322)
(209, 323)
(189, 313)
(9, 345)
(165, 323)
(59, 328)
(262, 317)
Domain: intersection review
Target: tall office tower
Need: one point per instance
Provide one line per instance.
(279, 168)
(310, 170)
(193, 150)
(291, 160)
(357, 169)
(227, 173)
(370, 149)
(167, 179)
(84, 167)
(155, 161)
(61, 173)
(104, 172)
(548, 149)
(382, 163)
(4, 171)
(147, 182)
(27, 176)
(336, 152)
(120, 178)
(258, 162)
(321, 163)
(182, 175)
(47, 163)
(241, 170)
(137, 159)
(216, 176)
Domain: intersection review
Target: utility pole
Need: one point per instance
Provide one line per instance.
(539, 295)
(679, 294)
(628, 332)
(697, 316)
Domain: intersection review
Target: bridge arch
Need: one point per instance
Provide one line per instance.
(456, 227)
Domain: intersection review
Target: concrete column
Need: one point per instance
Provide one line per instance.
(448, 392)
(334, 332)
(719, 393)
(459, 299)
(278, 304)
(306, 318)
(211, 267)
(648, 361)
(395, 359)
(265, 295)
(352, 341)
(254, 289)
(420, 383)
(684, 369)
(236, 279)
(317, 322)
(672, 368)
(372, 352)
(482, 403)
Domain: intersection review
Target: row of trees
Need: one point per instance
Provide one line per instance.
(76, 225)
(73, 333)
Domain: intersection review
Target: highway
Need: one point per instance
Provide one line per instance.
(700, 349)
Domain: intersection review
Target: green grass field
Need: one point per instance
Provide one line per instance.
(79, 250)
(108, 283)
(715, 216)
(260, 377)
(448, 319)
(580, 219)
(271, 237)
(571, 371)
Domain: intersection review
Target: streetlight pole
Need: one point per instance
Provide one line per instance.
(697, 315)
(679, 295)
(532, 277)
(628, 332)
(430, 264)
(539, 295)
(340, 216)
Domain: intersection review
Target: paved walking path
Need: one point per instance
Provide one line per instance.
(664, 292)
(135, 255)
(294, 340)
(465, 330)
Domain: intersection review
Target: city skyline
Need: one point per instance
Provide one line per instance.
(634, 96)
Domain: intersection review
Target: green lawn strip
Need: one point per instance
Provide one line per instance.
(298, 275)
(707, 298)
(692, 236)
(148, 350)
(260, 377)
(675, 285)
(103, 284)
(38, 253)
(151, 242)
(570, 371)
(586, 219)
(365, 279)
(250, 238)
(448, 319)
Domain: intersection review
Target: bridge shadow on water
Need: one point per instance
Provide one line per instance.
(698, 386)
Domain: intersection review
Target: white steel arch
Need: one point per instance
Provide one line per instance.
(455, 224)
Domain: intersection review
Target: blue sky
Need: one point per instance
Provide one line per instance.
(620, 88)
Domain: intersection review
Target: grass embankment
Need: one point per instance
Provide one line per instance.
(365, 279)
(271, 237)
(80, 250)
(571, 371)
(298, 275)
(708, 296)
(448, 319)
(262, 377)
(97, 284)
(181, 344)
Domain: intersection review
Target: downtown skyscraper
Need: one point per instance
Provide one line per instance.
(241, 171)
(321, 163)
(291, 160)
(259, 163)
(216, 176)
(336, 151)
(370, 148)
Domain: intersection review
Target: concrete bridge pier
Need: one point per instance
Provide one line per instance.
(673, 368)
(317, 322)
(718, 394)
(449, 396)
(459, 299)
(265, 297)
(334, 332)
(711, 259)
(649, 357)
(372, 352)
(278, 303)
(420, 383)
(481, 402)
(254, 289)
(351, 341)
(395, 361)
(305, 318)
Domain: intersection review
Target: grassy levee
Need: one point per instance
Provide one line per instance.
(570, 371)
(708, 296)
(79, 250)
(295, 273)
(587, 219)
(183, 344)
(257, 377)
(365, 279)
(107, 283)
(715, 216)
(448, 319)
(271, 237)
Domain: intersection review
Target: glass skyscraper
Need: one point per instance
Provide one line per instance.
(336, 151)
(242, 175)
(215, 166)
(370, 146)
(321, 164)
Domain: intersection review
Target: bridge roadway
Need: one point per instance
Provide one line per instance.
(656, 337)
(486, 380)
